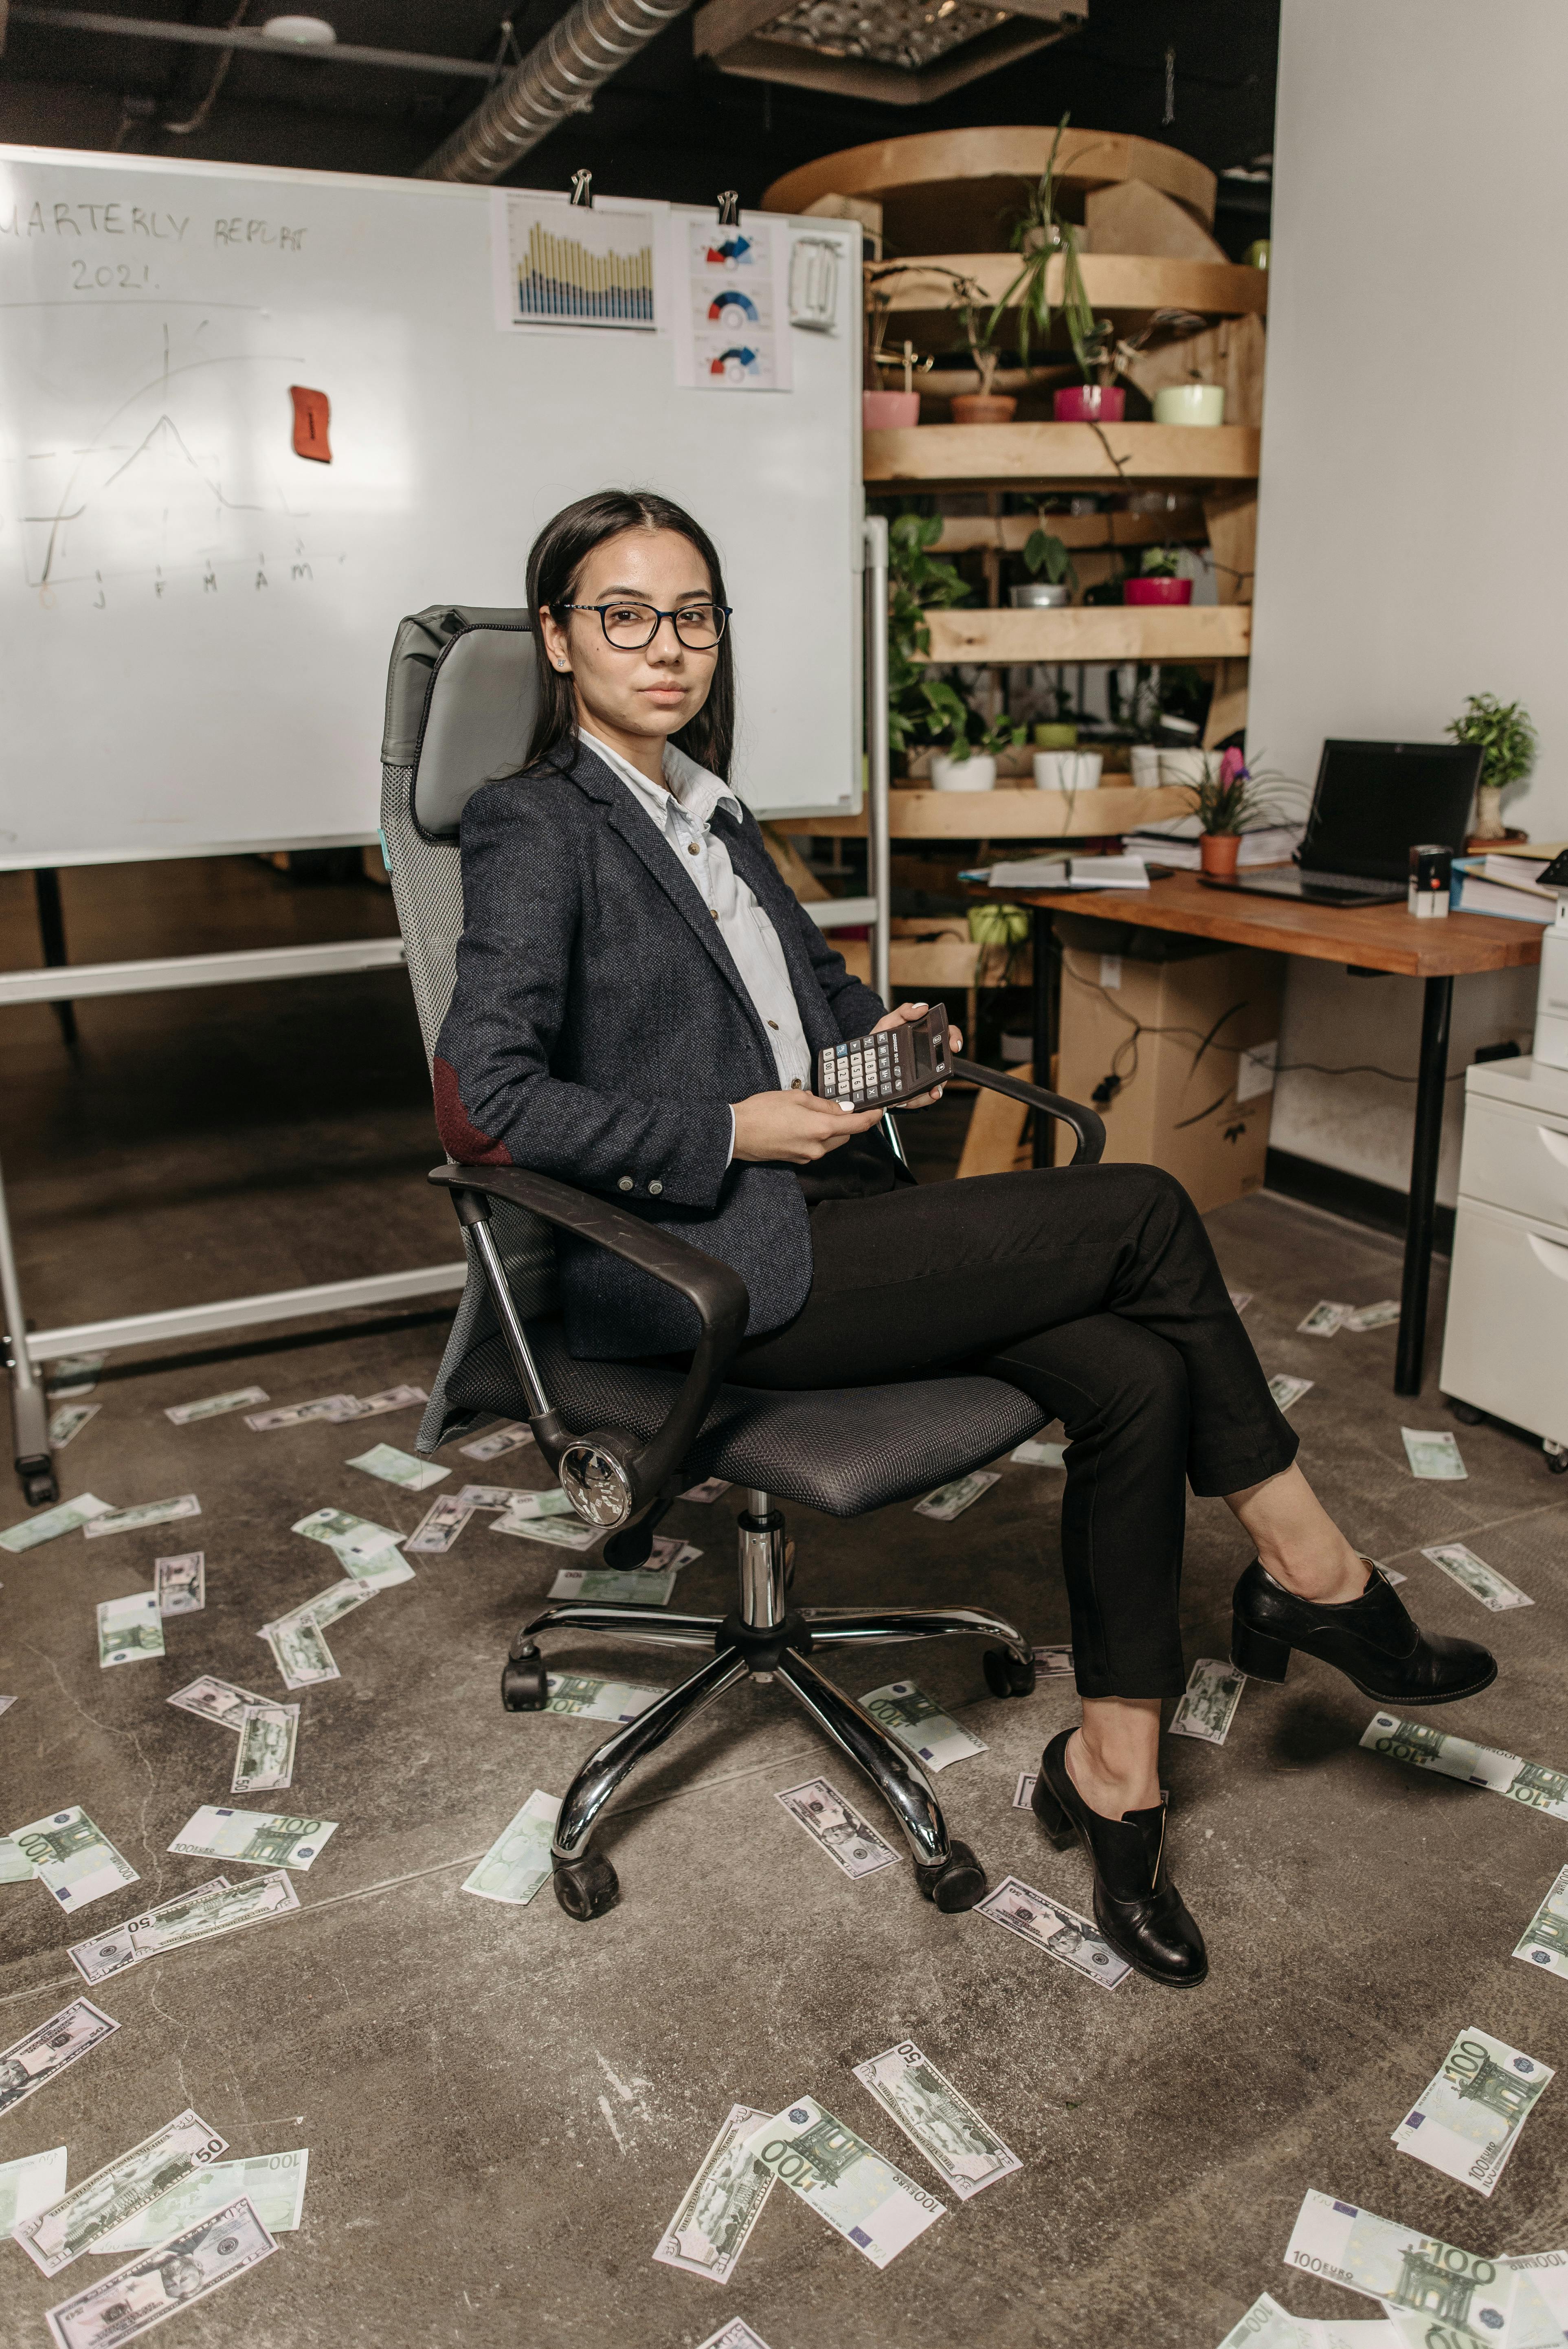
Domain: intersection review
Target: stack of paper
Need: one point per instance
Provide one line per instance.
(1176, 844)
(1064, 872)
(1505, 885)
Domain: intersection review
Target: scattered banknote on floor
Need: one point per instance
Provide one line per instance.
(1433, 1454)
(33, 2182)
(7, 1703)
(836, 2174)
(1389, 1574)
(68, 1421)
(552, 1502)
(635, 1587)
(945, 2127)
(1024, 1791)
(1208, 1704)
(1037, 1454)
(74, 1374)
(389, 1399)
(260, 1838)
(145, 1513)
(202, 1915)
(721, 2205)
(1374, 1317)
(1466, 2121)
(15, 1867)
(383, 1572)
(1472, 1574)
(1053, 1664)
(1061, 1932)
(736, 2334)
(518, 1862)
(271, 2183)
(214, 1406)
(130, 1628)
(917, 1721)
(1549, 2272)
(73, 1859)
(559, 1534)
(950, 1501)
(1287, 1390)
(596, 1700)
(332, 1408)
(1266, 2325)
(1325, 1320)
(327, 1607)
(264, 1761)
(499, 1439)
(59, 2234)
(669, 1554)
(31, 2063)
(300, 1654)
(439, 1527)
(394, 1467)
(113, 1952)
(176, 2275)
(1538, 1787)
(1240, 1299)
(180, 1582)
(1544, 1942)
(350, 1537)
(67, 1518)
(1481, 2299)
(837, 1827)
(712, 1488)
(212, 1699)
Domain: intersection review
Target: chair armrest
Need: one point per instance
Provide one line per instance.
(1086, 1123)
(715, 1288)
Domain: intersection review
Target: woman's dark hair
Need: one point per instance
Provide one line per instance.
(554, 561)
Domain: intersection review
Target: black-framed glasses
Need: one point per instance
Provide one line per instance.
(630, 626)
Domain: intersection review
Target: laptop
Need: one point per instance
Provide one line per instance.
(1373, 803)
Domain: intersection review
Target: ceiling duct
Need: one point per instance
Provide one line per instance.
(556, 80)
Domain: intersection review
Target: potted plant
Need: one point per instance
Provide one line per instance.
(965, 765)
(1196, 402)
(979, 334)
(1045, 554)
(1229, 800)
(1507, 747)
(918, 581)
(1041, 237)
(886, 411)
(1157, 581)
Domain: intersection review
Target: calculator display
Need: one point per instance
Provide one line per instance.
(875, 1072)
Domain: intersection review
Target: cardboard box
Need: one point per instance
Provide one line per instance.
(1193, 1036)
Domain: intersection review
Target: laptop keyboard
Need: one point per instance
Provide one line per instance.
(1357, 881)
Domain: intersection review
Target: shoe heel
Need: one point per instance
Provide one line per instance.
(1261, 1657)
(1051, 1815)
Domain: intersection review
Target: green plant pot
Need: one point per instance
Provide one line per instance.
(1056, 738)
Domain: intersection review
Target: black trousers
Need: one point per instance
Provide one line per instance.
(1095, 1289)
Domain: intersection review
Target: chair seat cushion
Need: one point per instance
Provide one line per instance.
(843, 1449)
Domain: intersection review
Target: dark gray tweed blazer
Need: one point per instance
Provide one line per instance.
(600, 1030)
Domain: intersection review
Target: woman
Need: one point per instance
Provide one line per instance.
(639, 1005)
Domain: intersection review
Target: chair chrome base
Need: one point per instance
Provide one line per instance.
(765, 1639)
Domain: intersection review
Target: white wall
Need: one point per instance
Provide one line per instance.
(1414, 496)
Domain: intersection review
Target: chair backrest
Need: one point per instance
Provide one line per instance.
(460, 697)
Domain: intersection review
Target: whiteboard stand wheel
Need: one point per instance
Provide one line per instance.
(1465, 1412)
(1556, 1456)
(39, 1488)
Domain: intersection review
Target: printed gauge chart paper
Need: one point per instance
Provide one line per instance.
(556, 263)
(731, 303)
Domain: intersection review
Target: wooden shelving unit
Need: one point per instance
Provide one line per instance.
(1131, 286)
(1024, 814)
(1092, 632)
(1061, 456)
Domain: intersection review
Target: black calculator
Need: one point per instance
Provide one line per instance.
(878, 1071)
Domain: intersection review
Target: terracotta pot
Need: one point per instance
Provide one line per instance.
(1157, 590)
(889, 411)
(1217, 852)
(983, 407)
(1089, 403)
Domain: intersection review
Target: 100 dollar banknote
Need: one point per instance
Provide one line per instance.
(1534, 1783)
(1403, 2267)
(54, 2237)
(158, 2282)
(721, 2205)
(836, 2174)
(1466, 2121)
(965, 2153)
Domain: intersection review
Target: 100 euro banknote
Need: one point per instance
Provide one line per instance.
(1534, 1783)
(918, 1722)
(74, 1859)
(259, 1838)
(130, 1630)
(67, 1518)
(1402, 2266)
(1466, 2121)
(836, 2174)
(519, 1862)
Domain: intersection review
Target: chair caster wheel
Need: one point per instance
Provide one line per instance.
(587, 1888)
(1005, 1676)
(955, 1886)
(1557, 1462)
(522, 1683)
(40, 1489)
(1465, 1412)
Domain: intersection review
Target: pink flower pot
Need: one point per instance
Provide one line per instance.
(888, 411)
(1089, 403)
(1157, 590)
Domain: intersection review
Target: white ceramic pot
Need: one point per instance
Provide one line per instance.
(1145, 767)
(1067, 770)
(975, 773)
(1190, 403)
(1039, 595)
(1187, 768)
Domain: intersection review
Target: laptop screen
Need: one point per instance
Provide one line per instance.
(1377, 801)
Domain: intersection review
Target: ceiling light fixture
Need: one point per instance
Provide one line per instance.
(898, 51)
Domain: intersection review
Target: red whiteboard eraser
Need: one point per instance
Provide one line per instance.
(311, 416)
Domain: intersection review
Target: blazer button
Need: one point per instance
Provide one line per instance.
(656, 1188)
(624, 1183)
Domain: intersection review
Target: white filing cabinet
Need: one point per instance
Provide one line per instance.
(1505, 1345)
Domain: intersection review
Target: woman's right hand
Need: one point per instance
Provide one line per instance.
(797, 1128)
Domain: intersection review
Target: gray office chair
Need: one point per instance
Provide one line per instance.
(624, 1439)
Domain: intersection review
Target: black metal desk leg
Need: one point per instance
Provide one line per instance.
(1044, 1023)
(1431, 1092)
(52, 937)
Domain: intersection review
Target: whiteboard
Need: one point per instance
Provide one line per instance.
(196, 621)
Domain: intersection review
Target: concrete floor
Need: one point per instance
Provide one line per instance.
(503, 2108)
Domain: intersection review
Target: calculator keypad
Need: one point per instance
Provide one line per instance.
(868, 1070)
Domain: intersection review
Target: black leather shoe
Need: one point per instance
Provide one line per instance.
(1136, 1906)
(1371, 1639)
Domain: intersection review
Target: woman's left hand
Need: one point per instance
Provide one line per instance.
(909, 1015)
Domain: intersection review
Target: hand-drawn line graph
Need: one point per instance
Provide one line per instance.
(174, 479)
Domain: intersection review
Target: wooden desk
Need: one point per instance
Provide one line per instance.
(1367, 937)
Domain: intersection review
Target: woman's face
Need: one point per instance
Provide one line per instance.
(650, 693)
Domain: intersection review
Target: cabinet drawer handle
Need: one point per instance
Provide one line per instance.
(1554, 1257)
